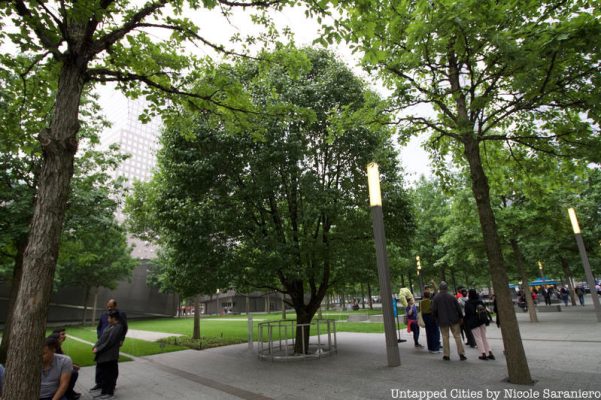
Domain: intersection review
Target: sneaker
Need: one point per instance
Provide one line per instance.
(419, 346)
(97, 387)
(462, 357)
(483, 357)
(446, 358)
(491, 356)
(435, 351)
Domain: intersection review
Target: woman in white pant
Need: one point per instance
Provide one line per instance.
(477, 319)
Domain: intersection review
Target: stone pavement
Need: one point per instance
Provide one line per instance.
(563, 349)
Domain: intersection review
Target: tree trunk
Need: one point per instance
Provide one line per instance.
(283, 307)
(517, 364)
(14, 289)
(362, 297)
(342, 301)
(95, 306)
(196, 332)
(454, 279)
(59, 144)
(568, 274)
(85, 305)
(519, 259)
(370, 301)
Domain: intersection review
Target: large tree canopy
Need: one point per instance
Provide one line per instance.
(288, 211)
(516, 72)
(82, 43)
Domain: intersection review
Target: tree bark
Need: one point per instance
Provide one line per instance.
(14, 290)
(196, 331)
(95, 306)
(85, 305)
(283, 307)
(517, 364)
(519, 259)
(370, 301)
(59, 144)
(568, 274)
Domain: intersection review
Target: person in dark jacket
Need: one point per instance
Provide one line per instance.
(447, 312)
(478, 324)
(106, 352)
(103, 323)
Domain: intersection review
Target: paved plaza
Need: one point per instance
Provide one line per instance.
(563, 349)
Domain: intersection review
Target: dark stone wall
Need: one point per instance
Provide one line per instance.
(133, 296)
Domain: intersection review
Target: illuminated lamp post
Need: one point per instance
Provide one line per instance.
(587, 267)
(375, 202)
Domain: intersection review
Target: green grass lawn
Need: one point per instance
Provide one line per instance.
(81, 353)
(234, 327)
(135, 347)
(215, 331)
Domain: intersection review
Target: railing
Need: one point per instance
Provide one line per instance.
(277, 340)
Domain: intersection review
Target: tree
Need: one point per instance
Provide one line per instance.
(289, 206)
(94, 251)
(84, 43)
(492, 71)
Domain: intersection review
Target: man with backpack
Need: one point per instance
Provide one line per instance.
(447, 312)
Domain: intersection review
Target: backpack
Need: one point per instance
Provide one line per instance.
(482, 315)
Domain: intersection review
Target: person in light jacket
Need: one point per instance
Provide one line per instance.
(107, 355)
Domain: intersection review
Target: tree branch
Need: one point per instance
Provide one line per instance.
(106, 75)
(110, 38)
(40, 30)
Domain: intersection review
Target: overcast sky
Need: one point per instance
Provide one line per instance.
(214, 27)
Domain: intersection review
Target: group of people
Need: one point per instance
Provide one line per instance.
(441, 312)
(548, 293)
(59, 374)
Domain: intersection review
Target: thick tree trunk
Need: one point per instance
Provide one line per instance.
(283, 307)
(568, 274)
(370, 302)
(59, 145)
(85, 305)
(196, 332)
(14, 290)
(95, 305)
(517, 364)
(454, 279)
(519, 259)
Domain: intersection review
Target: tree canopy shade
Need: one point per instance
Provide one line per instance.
(288, 211)
(81, 43)
(515, 72)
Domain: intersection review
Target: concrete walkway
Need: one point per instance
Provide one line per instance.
(563, 349)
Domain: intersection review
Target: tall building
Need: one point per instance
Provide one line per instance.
(141, 142)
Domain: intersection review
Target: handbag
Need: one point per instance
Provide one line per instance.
(420, 320)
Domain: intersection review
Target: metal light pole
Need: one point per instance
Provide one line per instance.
(587, 267)
(540, 269)
(375, 202)
(419, 275)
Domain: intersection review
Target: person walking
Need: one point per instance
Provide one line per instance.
(103, 324)
(465, 331)
(547, 296)
(564, 294)
(580, 294)
(432, 330)
(106, 352)
(447, 313)
(477, 319)
(412, 325)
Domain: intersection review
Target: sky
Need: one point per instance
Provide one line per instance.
(214, 27)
